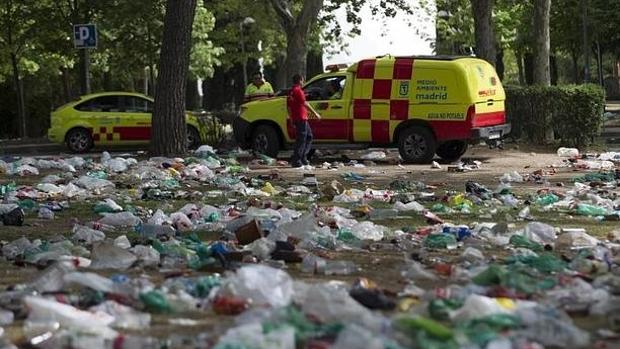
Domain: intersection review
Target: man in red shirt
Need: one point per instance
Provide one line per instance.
(298, 112)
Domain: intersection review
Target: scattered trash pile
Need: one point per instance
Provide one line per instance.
(290, 265)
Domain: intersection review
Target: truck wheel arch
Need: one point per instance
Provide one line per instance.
(409, 123)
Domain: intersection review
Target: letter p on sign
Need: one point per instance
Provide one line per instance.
(85, 36)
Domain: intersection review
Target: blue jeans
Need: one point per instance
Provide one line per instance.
(303, 142)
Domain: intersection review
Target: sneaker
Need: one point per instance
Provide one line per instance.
(305, 162)
(297, 165)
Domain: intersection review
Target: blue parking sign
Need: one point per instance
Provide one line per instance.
(85, 35)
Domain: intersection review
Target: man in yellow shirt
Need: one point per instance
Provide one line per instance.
(258, 89)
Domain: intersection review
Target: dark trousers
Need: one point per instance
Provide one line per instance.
(303, 141)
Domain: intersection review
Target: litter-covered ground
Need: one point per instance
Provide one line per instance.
(220, 250)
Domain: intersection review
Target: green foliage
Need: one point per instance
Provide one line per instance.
(204, 55)
(574, 112)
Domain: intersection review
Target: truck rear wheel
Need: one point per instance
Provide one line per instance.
(452, 150)
(265, 140)
(193, 137)
(417, 145)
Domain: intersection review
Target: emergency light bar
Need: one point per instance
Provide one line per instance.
(335, 67)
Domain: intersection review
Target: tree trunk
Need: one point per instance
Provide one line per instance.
(169, 133)
(152, 79)
(575, 60)
(499, 63)
(483, 27)
(314, 64)
(19, 92)
(66, 87)
(107, 81)
(553, 73)
(528, 65)
(542, 42)
(521, 69)
(282, 81)
(296, 53)
(297, 29)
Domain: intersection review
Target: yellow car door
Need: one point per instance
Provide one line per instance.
(102, 114)
(137, 116)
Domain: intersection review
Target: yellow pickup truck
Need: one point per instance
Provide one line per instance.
(424, 105)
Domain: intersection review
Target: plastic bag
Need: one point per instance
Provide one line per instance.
(368, 231)
(147, 255)
(124, 317)
(86, 235)
(42, 309)
(91, 183)
(575, 240)
(513, 176)
(14, 217)
(181, 221)
(121, 219)
(45, 213)
(410, 206)
(374, 155)
(568, 152)
(107, 256)
(261, 284)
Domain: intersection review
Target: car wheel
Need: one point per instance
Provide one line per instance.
(265, 140)
(417, 145)
(193, 138)
(79, 140)
(452, 150)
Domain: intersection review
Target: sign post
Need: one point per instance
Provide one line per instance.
(85, 38)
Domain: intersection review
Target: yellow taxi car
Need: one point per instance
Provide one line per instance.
(110, 118)
(424, 105)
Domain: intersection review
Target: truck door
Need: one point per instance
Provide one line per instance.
(330, 97)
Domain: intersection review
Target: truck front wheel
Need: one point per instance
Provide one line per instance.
(452, 150)
(265, 140)
(417, 145)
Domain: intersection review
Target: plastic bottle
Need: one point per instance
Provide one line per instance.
(340, 268)
(385, 213)
(432, 327)
(155, 301)
(229, 305)
(52, 278)
(313, 264)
